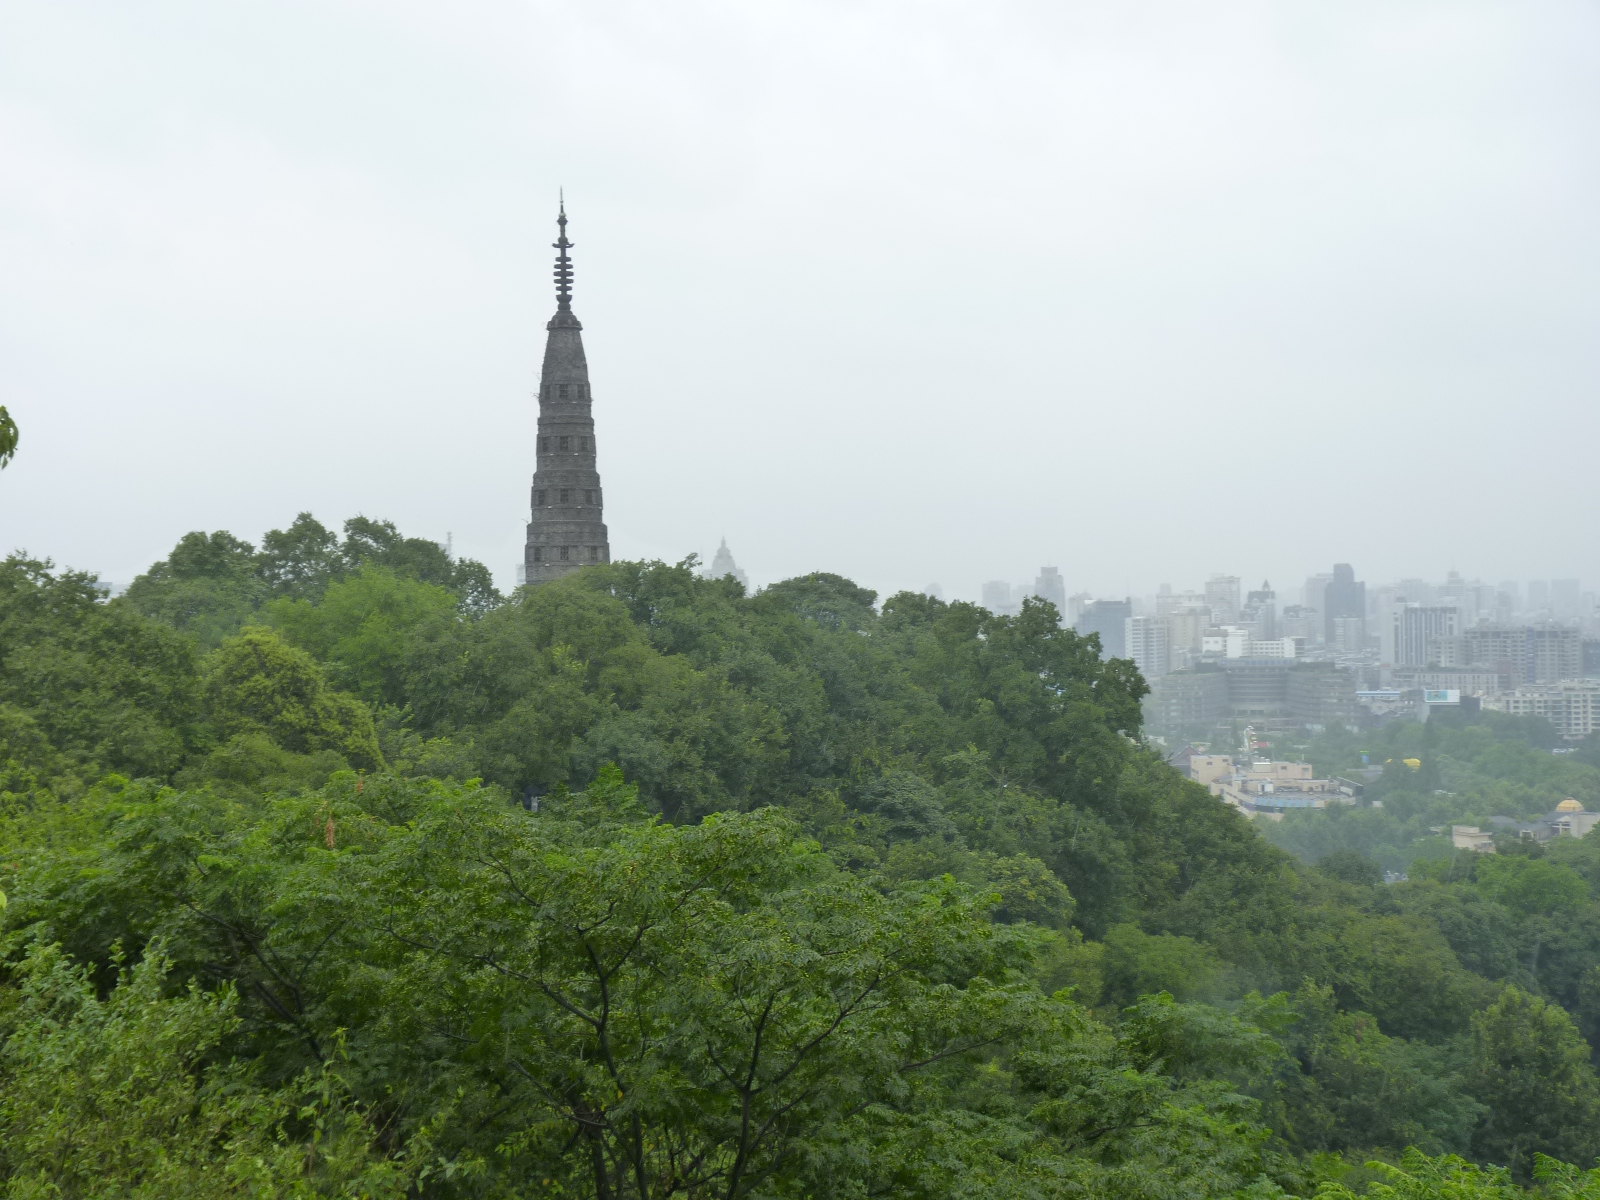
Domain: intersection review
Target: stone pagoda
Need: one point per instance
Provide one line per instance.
(567, 530)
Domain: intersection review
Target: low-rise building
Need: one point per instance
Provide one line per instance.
(1470, 837)
(1468, 682)
(1208, 768)
(1569, 819)
(1572, 706)
(1234, 641)
(1266, 788)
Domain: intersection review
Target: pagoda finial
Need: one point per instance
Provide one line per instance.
(563, 271)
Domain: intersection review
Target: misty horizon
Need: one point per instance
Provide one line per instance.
(1145, 294)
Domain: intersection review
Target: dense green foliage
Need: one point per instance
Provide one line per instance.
(332, 873)
(8, 436)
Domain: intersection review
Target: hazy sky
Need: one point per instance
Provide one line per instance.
(912, 292)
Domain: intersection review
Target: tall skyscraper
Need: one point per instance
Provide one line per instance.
(1312, 595)
(567, 530)
(1050, 586)
(1343, 598)
(722, 564)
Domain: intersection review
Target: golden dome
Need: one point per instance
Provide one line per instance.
(1569, 805)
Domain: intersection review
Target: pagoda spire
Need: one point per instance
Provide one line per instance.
(567, 526)
(563, 261)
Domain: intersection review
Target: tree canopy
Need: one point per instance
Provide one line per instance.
(333, 872)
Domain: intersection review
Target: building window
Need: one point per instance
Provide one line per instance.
(538, 554)
(564, 550)
(566, 495)
(564, 443)
(583, 444)
(541, 500)
(544, 445)
(588, 496)
(594, 553)
(562, 391)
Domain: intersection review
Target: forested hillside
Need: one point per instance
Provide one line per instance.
(1470, 768)
(332, 872)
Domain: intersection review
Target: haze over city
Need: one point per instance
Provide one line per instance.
(909, 293)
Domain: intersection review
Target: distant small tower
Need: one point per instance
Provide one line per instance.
(567, 530)
(722, 564)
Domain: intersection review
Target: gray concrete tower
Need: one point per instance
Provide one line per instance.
(567, 530)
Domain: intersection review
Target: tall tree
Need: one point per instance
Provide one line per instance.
(207, 587)
(1532, 1072)
(298, 563)
(258, 683)
(102, 685)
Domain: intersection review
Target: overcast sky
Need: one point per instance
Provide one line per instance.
(911, 292)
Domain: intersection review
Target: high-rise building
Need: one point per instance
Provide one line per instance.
(1573, 706)
(1343, 596)
(1260, 612)
(1507, 601)
(1222, 597)
(1146, 640)
(1526, 653)
(722, 564)
(1301, 622)
(1415, 626)
(1170, 602)
(1050, 586)
(1108, 619)
(567, 530)
(1185, 629)
(1539, 597)
(997, 596)
(1566, 599)
(1313, 595)
(1418, 591)
(1349, 635)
